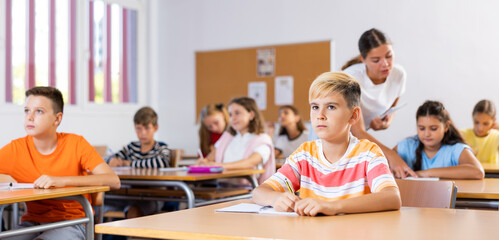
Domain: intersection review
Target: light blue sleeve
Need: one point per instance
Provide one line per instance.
(312, 136)
(457, 149)
(406, 149)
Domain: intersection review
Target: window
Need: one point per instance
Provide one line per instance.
(43, 45)
(113, 53)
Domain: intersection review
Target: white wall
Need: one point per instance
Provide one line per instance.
(449, 48)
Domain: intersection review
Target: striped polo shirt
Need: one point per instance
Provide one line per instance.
(362, 169)
(158, 157)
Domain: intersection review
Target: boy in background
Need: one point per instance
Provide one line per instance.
(337, 173)
(49, 158)
(145, 153)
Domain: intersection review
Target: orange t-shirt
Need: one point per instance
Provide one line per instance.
(73, 156)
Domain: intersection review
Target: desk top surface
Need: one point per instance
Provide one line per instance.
(487, 188)
(490, 167)
(205, 223)
(26, 195)
(155, 174)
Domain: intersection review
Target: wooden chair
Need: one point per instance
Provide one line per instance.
(98, 198)
(101, 149)
(176, 156)
(431, 194)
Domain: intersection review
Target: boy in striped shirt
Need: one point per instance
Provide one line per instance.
(337, 173)
(145, 153)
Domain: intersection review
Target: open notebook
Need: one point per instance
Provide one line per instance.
(11, 186)
(254, 208)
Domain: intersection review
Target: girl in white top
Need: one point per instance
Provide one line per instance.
(246, 131)
(292, 132)
(382, 83)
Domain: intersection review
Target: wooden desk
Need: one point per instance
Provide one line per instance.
(72, 193)
(155, 177)
(488, 188)
(478, 193)
(408, 223)
(491, 170)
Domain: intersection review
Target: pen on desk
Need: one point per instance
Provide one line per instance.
(289, 186)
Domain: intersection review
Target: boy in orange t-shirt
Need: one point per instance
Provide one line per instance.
(51, 159)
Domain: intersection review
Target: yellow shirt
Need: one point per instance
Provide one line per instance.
(484, 148)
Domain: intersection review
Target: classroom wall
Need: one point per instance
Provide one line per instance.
(449, 49)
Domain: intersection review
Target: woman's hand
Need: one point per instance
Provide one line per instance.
(398, 166)
(380, 124)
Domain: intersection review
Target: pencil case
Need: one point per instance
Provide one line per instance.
(205, 169)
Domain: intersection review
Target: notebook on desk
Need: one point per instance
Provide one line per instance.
(254, 208)
(12, 186)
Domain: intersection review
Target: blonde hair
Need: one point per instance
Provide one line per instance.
(485, 106)
(204, 133)
(336, 82)
(256, 125)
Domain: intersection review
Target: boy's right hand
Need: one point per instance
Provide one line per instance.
(116, 162)
(285, 202)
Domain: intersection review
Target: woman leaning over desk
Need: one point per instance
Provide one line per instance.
(382, 83)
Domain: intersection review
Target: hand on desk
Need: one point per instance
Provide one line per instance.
(312, 207)
(288, 202)
(285, 202)
(116, 162)
(46, 181)
(399, 168)
(204, 162)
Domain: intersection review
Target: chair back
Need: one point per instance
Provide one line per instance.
(98, 198)
(176, 156)
(101, 149)
(430, 194)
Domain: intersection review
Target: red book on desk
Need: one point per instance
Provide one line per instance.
(206, 169)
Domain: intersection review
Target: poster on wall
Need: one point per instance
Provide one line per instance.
(283, 90)
(258, 91)
(265, 62)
